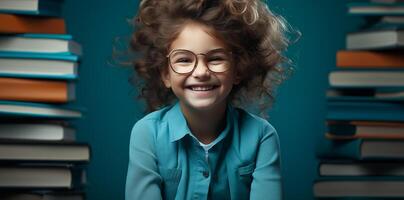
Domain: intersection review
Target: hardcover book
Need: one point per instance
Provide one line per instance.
(375, 40)
(44, 152)
(36, 132)
(24, 177)
(370, 59)
(40, 43)
(29, 65)
(345, 130)
(365, 111)
(32, 7)
(361, 149)
(23, 109)
(26, 24)
(366, 78)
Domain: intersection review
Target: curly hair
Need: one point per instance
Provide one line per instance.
(256, 36)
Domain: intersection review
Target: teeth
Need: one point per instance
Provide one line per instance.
(202, 88)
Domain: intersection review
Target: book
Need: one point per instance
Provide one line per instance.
(344, 168)
(366, 78)
(370, 59)
(365, 111)
(392, 19)
(44, 152)
(55, 195)
(27, 24)
(32, 7)
(358, 188)
(36, 132)
(36, 90)
(40, 43)
(373, 8)
(24, 177)
(16, 109)
(29, 65)
(361, 149)
(386, 1)
(375, 40)
(365, 94)
(340, 130)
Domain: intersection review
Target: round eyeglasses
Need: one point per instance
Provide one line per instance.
(184, 61)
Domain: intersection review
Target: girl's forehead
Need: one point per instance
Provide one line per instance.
(198, 38)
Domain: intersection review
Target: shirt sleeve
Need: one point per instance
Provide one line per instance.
(143, 180)
(266, 182)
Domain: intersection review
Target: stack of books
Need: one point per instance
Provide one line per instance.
(39, 155)
(362, 153)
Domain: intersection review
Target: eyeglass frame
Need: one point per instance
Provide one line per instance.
(197, 59)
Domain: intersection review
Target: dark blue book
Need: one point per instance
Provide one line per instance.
(32, 7)
(361, 149)
(366, 94)
(10, 109)
(366, 111)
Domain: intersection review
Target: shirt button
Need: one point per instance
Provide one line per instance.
(205, 174)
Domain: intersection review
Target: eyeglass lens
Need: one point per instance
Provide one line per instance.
(184, 61)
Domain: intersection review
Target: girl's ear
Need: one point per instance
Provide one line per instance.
(165, 77)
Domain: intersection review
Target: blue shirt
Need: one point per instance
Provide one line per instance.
(167, 162)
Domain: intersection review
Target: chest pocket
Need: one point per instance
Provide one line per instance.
(245, 174)
(171, 179)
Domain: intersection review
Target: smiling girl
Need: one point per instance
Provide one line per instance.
(201, 61)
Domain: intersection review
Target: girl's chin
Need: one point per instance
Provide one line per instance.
(202, 105)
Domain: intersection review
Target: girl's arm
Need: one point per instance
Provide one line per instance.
(143, 180)
(266, 182)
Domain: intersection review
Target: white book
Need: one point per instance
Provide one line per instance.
(44, 152)
(40, 177)
(378, 39)
(46, 68)
(39, 43)
(37, 132)
(366, 78)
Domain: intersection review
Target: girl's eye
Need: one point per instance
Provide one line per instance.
(183, 60)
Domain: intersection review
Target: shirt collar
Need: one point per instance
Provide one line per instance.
(178, 126)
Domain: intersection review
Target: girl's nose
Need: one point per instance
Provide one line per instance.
(201, 70)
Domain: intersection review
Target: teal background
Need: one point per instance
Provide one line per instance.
(112, 109)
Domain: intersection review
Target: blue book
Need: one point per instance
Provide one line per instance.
(10, 109)
(361, 149)
(39, 43)
(35, 65)
(375, 9)
(32, 7)
(366, 111)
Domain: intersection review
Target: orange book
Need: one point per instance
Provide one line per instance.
(370, 59)
(10, 23)
(36, 90)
